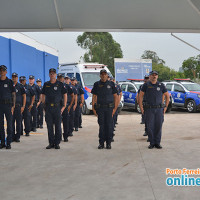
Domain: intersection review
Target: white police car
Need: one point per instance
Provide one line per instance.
(185, 94)
(129, 91)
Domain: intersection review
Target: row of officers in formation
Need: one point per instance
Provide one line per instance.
(62, 102)
(62, 99)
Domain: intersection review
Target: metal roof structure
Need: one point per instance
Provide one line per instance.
(100, 15)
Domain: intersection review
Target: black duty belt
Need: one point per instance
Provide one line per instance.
(110, 105)
(5, 101)
(154, 106)
(52, 104)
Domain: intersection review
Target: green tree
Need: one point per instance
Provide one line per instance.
(158, 64)
(191, 67)
(153, 56)
(100, 47)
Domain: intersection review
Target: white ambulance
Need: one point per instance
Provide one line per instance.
(86, 74)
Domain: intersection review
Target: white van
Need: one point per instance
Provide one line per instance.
(86, 74)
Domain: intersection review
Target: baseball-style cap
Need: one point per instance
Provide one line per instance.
(31, 77)
(14, 74)
(153, 72)
(73, 78)
(146, 76)
(38, 80)
(22, 78)
(60, 75)
(52, 70)
(103, 71)
(3, 67)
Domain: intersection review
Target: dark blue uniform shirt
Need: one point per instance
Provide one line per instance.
(79, 92)
(144, 97)
(69, 92)
(37, 91)
(29, 93)
(104, 92)
(153, 92)
(54, 91)
(6, 89)
(19, 92)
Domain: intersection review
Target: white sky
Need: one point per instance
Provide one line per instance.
(171, 50)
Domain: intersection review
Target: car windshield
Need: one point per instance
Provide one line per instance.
(89, 78)
(192, 87)
(138, 85)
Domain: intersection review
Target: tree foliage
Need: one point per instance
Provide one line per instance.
(100, 47)
(191, 67)
(158, 64)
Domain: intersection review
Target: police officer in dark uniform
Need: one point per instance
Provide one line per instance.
(40, 107)
(70, 103)
(65, 114)
(106, 100)
(80, 102)
(37, 102)
(155, 110)
(72, 110)
(52, 94)
(30, 99)
(19, 107)
(146, 78)
(7, 106)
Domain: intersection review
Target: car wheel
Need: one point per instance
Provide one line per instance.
(85, 110)
(191, 106)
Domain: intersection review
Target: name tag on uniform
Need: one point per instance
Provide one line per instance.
(55, 88)
(108, 86)
(5, 85)
(100, 85)
(150, 87)
(47, 85)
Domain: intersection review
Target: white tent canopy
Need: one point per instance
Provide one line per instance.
(100, 15)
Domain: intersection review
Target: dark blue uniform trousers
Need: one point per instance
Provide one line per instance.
(154, 120)
(105, 122)
(40, 115)
(53, 118)
(65, 119)
(17, 117)
(6, 109)
(77, 116)
(33, 116)
(27, 119)
(71, 120)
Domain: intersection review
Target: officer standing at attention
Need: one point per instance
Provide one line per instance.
(106, 99)
(52, 93)
(146, 78)
(154, 91)
(40, 107)
(65, 115)
(80, 102)
(37, 102)
(19, 108)
(30, 99)
(71, 92)
(7, 106)
(73, 108)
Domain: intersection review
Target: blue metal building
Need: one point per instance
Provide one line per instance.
(26, 56)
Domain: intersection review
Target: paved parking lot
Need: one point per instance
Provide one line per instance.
(79, 171)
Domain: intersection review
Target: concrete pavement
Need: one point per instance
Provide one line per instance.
(79, 171)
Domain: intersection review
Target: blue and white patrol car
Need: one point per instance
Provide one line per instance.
(185, 94)
(129, 91)
(86, 74)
